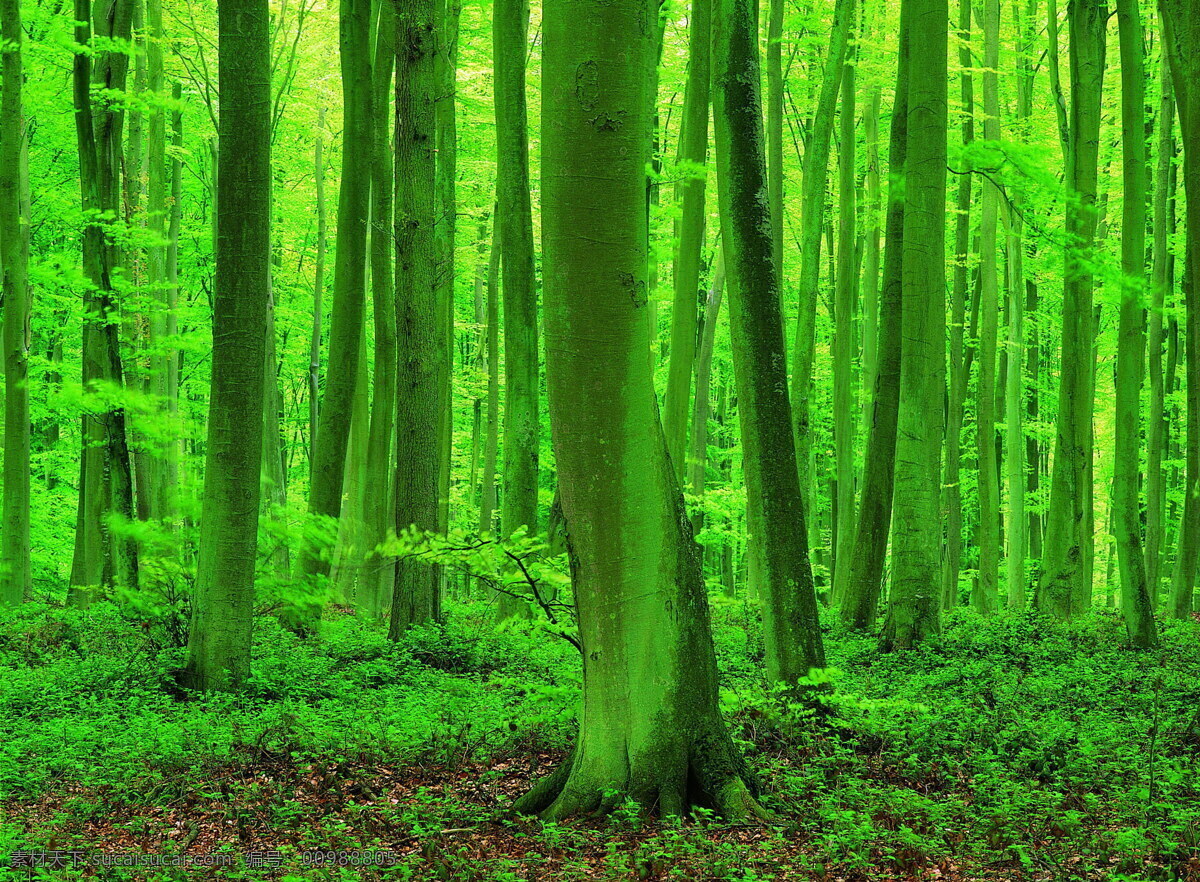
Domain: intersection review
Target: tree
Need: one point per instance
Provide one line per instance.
(689, 193)
(650, 728)
(349, 273)
(421, 341)
(220, 635)
(792, 633)
(1061, 587)
(16, 577)
(1181, 39)
(515, 224)
(915, 610)
(1131, 335)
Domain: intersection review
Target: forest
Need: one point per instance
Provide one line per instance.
(488, 440)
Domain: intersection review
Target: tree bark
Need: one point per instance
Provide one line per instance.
(792, 633)
(650, 729)
(220, 636)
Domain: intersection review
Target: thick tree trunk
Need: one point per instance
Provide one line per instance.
(1181, 38)
(1064, 571)
(650, 729)
(690, 196)
(792, 633)
(915, 610)
(421, 341)
(349, 274)
(219, 641)
(16, 576)
(1131, 335)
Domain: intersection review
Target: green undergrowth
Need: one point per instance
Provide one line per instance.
(1009, 745)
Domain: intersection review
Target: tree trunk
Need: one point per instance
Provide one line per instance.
(16, 575)
(959, 373)
(349, 274)
(421, 341)
(792, 633)
(515, 217)
(986, 586)
(812, 210)
(698, 460)
(1131, 335)
(220, 636)
(376, 585)
(865, 581)
(1156, 423)
(690, 196)
(844, 343)
(314, 344)
(650, 729)
(1064, 572)
(487, 496)
(915, 611)
(1181, 39)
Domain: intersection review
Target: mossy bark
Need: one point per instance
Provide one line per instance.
(792, 634)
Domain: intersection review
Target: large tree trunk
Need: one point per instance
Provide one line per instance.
(219, 641)
(1181, 37)
(515, 219)
(421, 341)
(1131, 335)
(792, 633)
(689, 195)
(915, 611)
(650, 729)
(349, 275)
(16, 576)
(865, 582)
(1064, 571)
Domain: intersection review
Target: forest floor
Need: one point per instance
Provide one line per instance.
(1008, 749)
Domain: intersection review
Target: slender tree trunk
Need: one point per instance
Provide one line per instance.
(812, 210)
(1131, 335)
(16, 575)
(421, 340)
(1061, 587)
(959, 373)
(698, 460)
(650, 729)
(690, 196)
(314, 346)
(379, 515)
(865, 582)
(871, 263)
(487, 497)
(986, 586)
(220, 636)
(521, 421)
(1181, 39)
(1156, 424)
(915, 611)
(792, 633)
(349, 274)
(844, 344)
